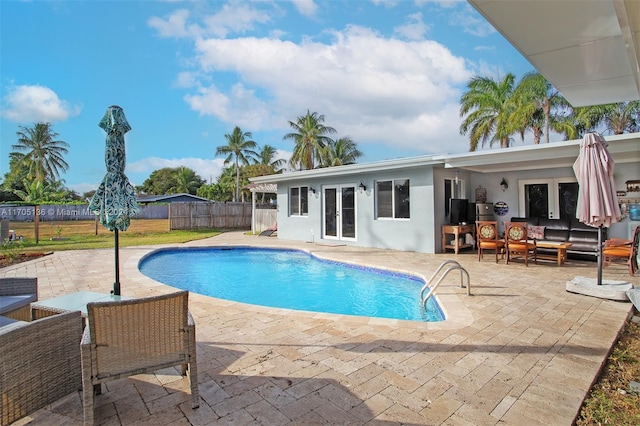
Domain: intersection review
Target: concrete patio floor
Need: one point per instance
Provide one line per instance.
(520, 350)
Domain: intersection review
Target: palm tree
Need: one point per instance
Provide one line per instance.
(43, 153)
(266, 157)
(309, 137)
(186, 181)
(490, 106)
(623, 117)
(618, 118)
(240, 149)
(536, 102)
(340, 152)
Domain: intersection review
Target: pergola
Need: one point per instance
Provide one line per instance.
(263, 188)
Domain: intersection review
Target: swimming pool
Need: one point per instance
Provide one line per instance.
(291, 279)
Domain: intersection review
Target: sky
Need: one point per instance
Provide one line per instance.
(386, 73)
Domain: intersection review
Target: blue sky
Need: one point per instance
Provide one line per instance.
(387, 73)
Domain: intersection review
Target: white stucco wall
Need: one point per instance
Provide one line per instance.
(414, 234)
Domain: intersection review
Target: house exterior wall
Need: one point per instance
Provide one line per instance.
(414, 234)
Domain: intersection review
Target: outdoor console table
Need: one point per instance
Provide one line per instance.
(560, 247)
(457, 231)
(70, 302)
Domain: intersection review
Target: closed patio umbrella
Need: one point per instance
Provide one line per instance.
(597, 200)
(114, 201)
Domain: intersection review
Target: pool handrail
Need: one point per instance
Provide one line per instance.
(454, 266)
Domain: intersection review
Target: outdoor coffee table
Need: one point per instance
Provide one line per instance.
(560, 246)
(70, 302)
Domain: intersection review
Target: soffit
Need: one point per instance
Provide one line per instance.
(588, 49)
(623, 149)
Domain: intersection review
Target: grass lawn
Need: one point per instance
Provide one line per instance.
(85, 234)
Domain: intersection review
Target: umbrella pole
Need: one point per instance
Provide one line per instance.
(116, 285)
(600, 255)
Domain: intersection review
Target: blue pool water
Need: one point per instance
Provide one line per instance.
(291, 279)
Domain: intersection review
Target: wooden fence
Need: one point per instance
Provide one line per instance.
(198, 215)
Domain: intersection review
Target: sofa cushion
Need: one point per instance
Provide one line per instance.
(583, 241)
(530, 220)
(555, 229)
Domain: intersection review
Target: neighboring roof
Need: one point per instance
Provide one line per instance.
(170, 198)
(623, 148)
(588, 49)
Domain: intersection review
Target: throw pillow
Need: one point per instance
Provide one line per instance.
(535, 232)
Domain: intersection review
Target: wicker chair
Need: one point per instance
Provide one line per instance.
(16, 295)
(39, 363)
(137, 336)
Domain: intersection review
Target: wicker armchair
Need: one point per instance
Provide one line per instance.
(137, 336)
(16, 295)
(39, 363)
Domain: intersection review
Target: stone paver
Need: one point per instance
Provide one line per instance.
(519, 350)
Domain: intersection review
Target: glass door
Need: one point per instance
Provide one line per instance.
(339, 214)
(548, 198)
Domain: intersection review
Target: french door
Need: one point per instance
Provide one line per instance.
(339, 214)
(548, 198)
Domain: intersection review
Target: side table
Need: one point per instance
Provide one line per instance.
(70, 302)
(457, 231)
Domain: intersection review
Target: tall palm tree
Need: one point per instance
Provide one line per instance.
(340, 152)
(536, 102)
(240, 149)
(310, 137)
(267, 157)
(489, 104)
(43, 153)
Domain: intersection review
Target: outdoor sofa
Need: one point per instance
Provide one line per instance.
(583, 238)
(39, 363)
(16, 295)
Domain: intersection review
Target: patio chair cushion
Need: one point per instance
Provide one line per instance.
(11, 303)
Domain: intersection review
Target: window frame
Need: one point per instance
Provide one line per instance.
(395, 206)
(301, 206)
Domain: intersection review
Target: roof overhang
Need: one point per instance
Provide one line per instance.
(623, 149)
(352, 169)
(589, 49)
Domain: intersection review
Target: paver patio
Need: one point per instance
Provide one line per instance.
(520, 350)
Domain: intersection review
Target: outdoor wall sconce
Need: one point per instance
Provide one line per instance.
(362, 187)
(504, 184)
(312, 190)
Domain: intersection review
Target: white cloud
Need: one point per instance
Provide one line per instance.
(471, 22)
(305, 7)
(414, 29)
(235, 17)
(207, 169)
(371, 88)
(36, 104)
(175, 25)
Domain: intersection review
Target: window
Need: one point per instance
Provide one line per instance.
(298, 201)
(453, 188)
(392, 199)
